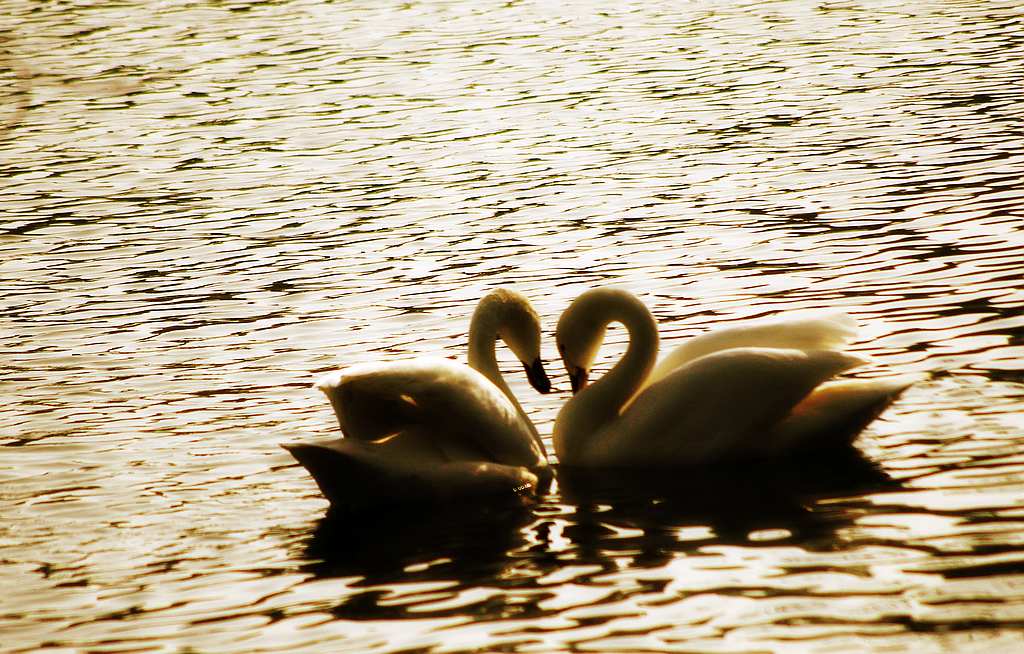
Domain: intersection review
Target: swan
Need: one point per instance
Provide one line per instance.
(432, 429)
(755, 391)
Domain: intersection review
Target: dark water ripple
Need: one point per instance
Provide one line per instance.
(205, 204)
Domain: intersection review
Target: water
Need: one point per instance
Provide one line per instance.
(207, 204)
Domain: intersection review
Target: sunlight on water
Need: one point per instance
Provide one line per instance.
(206, 205)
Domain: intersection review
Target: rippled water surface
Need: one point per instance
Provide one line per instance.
(206, 204)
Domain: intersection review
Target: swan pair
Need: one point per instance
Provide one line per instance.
(433, 429)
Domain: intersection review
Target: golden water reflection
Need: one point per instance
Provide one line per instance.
(206, 204)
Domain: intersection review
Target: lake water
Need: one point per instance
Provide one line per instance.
(207, 204)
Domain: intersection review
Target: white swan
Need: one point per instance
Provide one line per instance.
(755, 391)
(433, 429)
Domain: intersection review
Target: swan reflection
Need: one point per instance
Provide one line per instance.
(435, 553)
(416, 542)
(646, 511)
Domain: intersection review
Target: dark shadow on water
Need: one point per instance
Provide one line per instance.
(730, 501)
(470, 540)
(609, 518)
(473, 540)
(470, 537)
(826, 473)
(394, 551)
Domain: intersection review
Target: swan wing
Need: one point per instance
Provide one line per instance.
(826, 331)
(366, 402)
(355, 475)
(837, 411)
(458, 409)
(716, 407)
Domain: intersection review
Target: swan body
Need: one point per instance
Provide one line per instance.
(754, 391)
(432, 429)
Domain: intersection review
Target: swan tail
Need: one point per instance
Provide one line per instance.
(836, 412)
(353, 477)
(341, 478)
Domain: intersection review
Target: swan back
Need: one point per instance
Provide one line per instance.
(810, 332)
(464, 414)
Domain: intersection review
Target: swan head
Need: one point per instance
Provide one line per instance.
(518, 325)
(537, 376)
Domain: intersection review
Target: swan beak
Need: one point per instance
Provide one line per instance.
(538, 378)
(578, 378)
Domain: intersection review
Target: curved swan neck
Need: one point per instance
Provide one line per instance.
(483, 336)
(600, 403)
(620, 383)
